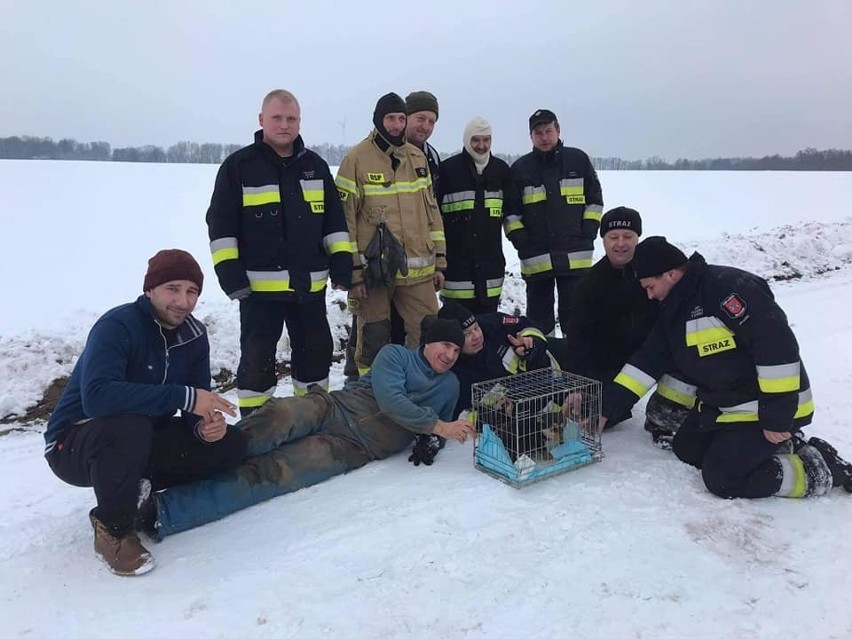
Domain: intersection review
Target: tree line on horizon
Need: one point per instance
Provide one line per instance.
(185, 152)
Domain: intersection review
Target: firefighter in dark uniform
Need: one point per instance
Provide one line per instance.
(495, 345)
(553, 211)
(473, 186)
(277, 233)
(722, 329)
(610, 318)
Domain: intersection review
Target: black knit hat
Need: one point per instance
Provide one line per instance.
(389, 103)
(654, 256)
(454, 311)
(621, 218)
(434, 329)
(421, 101)
(169, 265)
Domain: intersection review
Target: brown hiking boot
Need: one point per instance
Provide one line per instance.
(125, 555)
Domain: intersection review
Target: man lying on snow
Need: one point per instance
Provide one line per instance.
(722, 329)
(114, 425)
(295, 442)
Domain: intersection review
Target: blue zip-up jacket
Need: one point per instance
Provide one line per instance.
(126, 367)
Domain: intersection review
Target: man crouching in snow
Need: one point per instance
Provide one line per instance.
(295, 442)
(114, 425)
(722, 329)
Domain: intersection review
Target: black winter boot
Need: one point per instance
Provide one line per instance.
(841, 470)
(817, 472)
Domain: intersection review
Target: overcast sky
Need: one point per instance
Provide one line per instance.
(674, 78)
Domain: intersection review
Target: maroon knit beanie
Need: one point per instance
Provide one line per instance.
(172, 264)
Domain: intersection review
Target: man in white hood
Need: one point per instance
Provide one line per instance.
(472, 186)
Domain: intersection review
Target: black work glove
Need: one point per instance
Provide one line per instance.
(425, 449)
(536, 357)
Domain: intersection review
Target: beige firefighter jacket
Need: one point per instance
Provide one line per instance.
(372, 190)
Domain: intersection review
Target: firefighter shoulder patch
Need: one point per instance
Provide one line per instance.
(509, 320)
(734, 306)
(421, 171)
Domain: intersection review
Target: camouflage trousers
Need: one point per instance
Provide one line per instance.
(292, 443)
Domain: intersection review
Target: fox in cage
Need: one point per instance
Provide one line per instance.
(535, 424)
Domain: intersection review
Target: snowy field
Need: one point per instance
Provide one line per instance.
(632, 547)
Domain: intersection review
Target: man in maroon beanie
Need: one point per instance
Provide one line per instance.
(115, 428)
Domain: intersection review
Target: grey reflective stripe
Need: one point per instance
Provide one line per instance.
(497, 195)
(333, 238)
(678, 385)
(778, 371)
(531, 190)
(703, 323)
(511, 218)
(459, 196)
(568, 182)
(363, 259)
(494, 283)
(788, 476)
(223, 243)
(639, 375)
(268, 275)
(594, 208)
(458, 285)
(750, 408)
(419, 262)
(319, 276)
(576, 256)
(312, 185)
(510, 361)
(805, 396)
(243, 393)
(257, 190)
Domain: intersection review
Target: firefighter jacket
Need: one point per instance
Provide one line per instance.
(380, 182)
(722, 330)
(276, 226)
(610, 318)
(472, 210)
(553, 211)
(497, 357)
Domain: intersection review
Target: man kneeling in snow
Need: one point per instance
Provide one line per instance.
(722, 329)
(295, 442)
(114, 425)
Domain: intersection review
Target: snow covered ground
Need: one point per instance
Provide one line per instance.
(631, 547)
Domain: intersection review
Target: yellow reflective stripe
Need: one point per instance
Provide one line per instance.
(537, 264)
(363, 370)
(794, 478)
(532, 332)
(494, 291)
(457, 294)
(706, 329)
(225, 248)
(512, 223)
(313, 190)
(532, 198)
(254, 399)
(436, 236)
(416, 272)
(259, 195)
(804, 409)
(345, 184)
(731, 418)
(571, 190)
(455, 207)
(420, 184)
(676, 391)
(270, 286)
(317, 286)
(633, 385)
(225, 254)
(594, 213)
(341, 247)
(779, 385)
(493, 203)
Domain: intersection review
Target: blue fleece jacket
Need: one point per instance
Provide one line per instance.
(127, 367)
